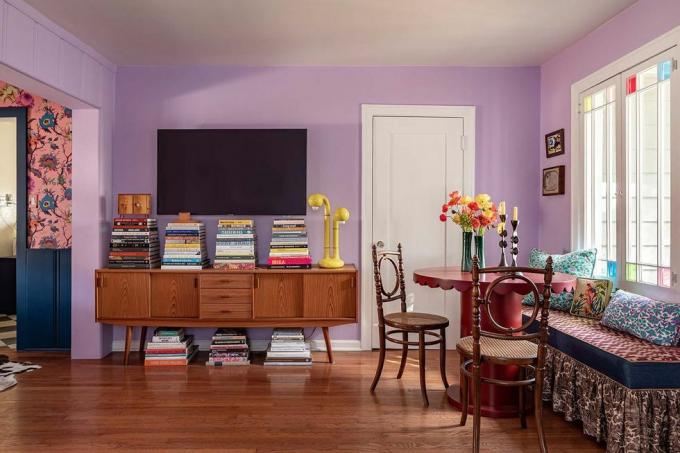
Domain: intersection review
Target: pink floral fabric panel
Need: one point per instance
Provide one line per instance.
(49, 168)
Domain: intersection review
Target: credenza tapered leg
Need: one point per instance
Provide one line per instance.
(128, 340)
(329, 348)
(142, 342)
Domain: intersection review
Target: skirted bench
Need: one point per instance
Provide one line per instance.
(624, 390)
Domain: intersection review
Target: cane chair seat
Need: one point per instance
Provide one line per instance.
(494, 349)
(416, 321)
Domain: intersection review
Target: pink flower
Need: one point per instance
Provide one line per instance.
(26, 99)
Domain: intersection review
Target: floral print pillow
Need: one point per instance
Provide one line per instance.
(579, 263)
(558, 301)
(651, 320)
(591, 297)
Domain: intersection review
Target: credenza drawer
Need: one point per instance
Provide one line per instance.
(227, 296)
(226, 281)
(226, 311)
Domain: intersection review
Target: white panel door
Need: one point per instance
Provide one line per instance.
(417, 161)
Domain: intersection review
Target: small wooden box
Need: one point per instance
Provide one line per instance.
(134, 203)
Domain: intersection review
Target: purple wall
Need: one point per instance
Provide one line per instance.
(632, 28)
(327, 101)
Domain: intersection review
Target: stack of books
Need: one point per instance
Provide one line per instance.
(185, 246)
(288, 348)
(134, 244)
(235, 245)
(289, 248)
(229, 347)
(170, 346)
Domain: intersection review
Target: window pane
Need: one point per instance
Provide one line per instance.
(647, 77)
(665, 173)
(631, 183)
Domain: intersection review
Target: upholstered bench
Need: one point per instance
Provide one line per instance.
(625, 390)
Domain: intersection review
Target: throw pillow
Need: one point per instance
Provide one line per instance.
(654, 321)
(579, 263)
(558, 301)
(591, 297)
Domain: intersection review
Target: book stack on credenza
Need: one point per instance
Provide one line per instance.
(288, 348)
(185, 246)
(289, 248)
(235, 244)
(134, 244)
(229, 347)
(170, 347)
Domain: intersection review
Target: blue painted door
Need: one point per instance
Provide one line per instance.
(43, 275)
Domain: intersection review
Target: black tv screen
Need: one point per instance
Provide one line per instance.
(232, 171)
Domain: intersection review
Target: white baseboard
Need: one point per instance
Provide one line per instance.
(260, 345)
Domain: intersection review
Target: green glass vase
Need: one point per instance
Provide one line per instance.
(479, 250)
(466, 258)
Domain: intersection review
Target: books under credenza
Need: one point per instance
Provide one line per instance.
(257, 297)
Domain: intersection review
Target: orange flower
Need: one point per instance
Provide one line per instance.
(455, 198)
(475, 223)
(473, 206)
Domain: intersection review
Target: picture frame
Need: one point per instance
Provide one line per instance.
(554, 143)
(552, 182)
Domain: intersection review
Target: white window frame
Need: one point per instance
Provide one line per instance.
(669, 42)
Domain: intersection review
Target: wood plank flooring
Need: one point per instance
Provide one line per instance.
(101, 405)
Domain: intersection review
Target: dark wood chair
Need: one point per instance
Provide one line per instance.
(505, 346)
(404, 322)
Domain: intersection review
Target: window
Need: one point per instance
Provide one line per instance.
(623, 186)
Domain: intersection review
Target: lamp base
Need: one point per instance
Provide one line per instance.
(331, 263)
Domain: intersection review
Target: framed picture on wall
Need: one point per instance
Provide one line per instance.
(553, 181)
(554, 143)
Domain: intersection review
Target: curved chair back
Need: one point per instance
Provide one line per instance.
(388, 263)
(485, 301)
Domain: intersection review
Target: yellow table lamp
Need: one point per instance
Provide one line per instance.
(315, 201)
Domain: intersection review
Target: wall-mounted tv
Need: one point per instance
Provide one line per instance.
(232, 171)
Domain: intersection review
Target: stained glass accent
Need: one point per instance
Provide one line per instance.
(664, 70)
(631, 83)
(587, 104)
(665, 277)
(611, 269)
(631, 272)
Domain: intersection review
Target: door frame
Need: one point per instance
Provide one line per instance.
(368, 113)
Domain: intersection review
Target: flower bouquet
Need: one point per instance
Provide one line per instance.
(474, 216)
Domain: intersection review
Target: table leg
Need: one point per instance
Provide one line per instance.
(329, 348)
(142, 343)
(497, 401)
(128, 340)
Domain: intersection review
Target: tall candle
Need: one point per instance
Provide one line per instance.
(514, 213)
(501, 208)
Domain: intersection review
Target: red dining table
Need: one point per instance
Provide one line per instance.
(497, 401)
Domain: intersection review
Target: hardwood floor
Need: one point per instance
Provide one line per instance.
(98, 405)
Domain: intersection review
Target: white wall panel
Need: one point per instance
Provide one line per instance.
(19, 40)
(70, 68)
(91, 81)
(46, 55)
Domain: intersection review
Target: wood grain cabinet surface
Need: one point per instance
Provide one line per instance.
(278, 296)
(329, 296)
(174, 295)
(123, 295)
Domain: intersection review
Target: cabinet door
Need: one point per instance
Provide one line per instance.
(278, 295)
(330, 296)
(123, 295)
(174, 295)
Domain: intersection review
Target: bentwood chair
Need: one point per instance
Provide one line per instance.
(505, 346)
(403, 322)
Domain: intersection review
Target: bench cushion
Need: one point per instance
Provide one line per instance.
(635, 363)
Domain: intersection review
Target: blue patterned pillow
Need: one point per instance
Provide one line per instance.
(579, 263)
(651, 320)
(558, 301)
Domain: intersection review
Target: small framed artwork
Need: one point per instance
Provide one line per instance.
(554, 143)
(553, 181)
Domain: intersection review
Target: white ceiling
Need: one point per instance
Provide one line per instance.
(330, 32)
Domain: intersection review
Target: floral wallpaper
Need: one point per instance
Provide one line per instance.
(49, 168)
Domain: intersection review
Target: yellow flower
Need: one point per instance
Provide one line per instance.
(488, 213)
(465, 200)
(483, 200)
(456, 219)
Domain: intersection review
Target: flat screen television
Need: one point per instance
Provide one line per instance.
(232, 171)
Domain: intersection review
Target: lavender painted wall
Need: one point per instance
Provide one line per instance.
(327, 101)
(630, 29)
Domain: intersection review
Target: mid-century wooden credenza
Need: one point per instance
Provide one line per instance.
(227, 298)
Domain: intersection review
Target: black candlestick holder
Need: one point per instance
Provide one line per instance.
(515, 242)
(503, 243)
